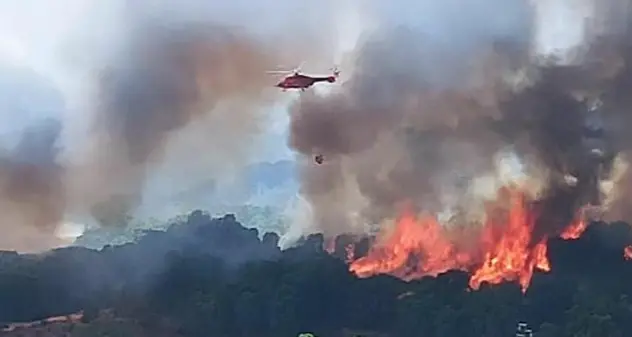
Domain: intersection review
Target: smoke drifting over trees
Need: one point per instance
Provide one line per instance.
(430, 111)
(163, 80)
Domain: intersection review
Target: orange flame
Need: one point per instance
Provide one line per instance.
(412, 237)
(510, 258)
(420, 246)
(576, 228)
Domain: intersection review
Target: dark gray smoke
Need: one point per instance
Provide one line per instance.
(413, 119)
(420, 120)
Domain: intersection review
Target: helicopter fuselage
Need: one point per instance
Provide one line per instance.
(299, 81)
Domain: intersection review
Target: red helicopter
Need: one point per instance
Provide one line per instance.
(297, 80)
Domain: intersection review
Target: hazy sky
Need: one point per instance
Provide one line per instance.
(43, 35)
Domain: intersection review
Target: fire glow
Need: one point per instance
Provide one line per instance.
(504, 249)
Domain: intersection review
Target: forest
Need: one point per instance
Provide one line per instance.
(213, 277)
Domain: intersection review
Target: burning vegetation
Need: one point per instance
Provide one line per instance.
(504, 249)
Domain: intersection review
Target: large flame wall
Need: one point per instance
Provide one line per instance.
(501, 248)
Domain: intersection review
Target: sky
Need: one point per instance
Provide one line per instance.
(43, 44)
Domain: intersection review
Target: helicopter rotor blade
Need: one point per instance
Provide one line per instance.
(298, 69)
(292, 71)
(278, 71)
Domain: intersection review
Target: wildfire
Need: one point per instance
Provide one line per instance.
(419, 246)
(576, 228)
(509, 257)
(413, 238)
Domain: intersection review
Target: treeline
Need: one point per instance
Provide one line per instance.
(264, 218)
(216, 278)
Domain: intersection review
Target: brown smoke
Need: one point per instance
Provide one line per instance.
(31, 188)
(418, 121)
(163, 80)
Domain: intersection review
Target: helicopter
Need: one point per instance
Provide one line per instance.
(298, 80)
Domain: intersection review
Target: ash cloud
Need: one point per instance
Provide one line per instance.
(429, 110)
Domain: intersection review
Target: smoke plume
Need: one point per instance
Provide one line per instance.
(161, 72)
(426, 119)
(31, 188)
(165, 80)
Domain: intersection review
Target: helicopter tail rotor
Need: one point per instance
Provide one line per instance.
(299, 68)
(335, 71)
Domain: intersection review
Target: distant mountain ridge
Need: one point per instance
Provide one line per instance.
(257, 178)
(258, 203)
(271, 175)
